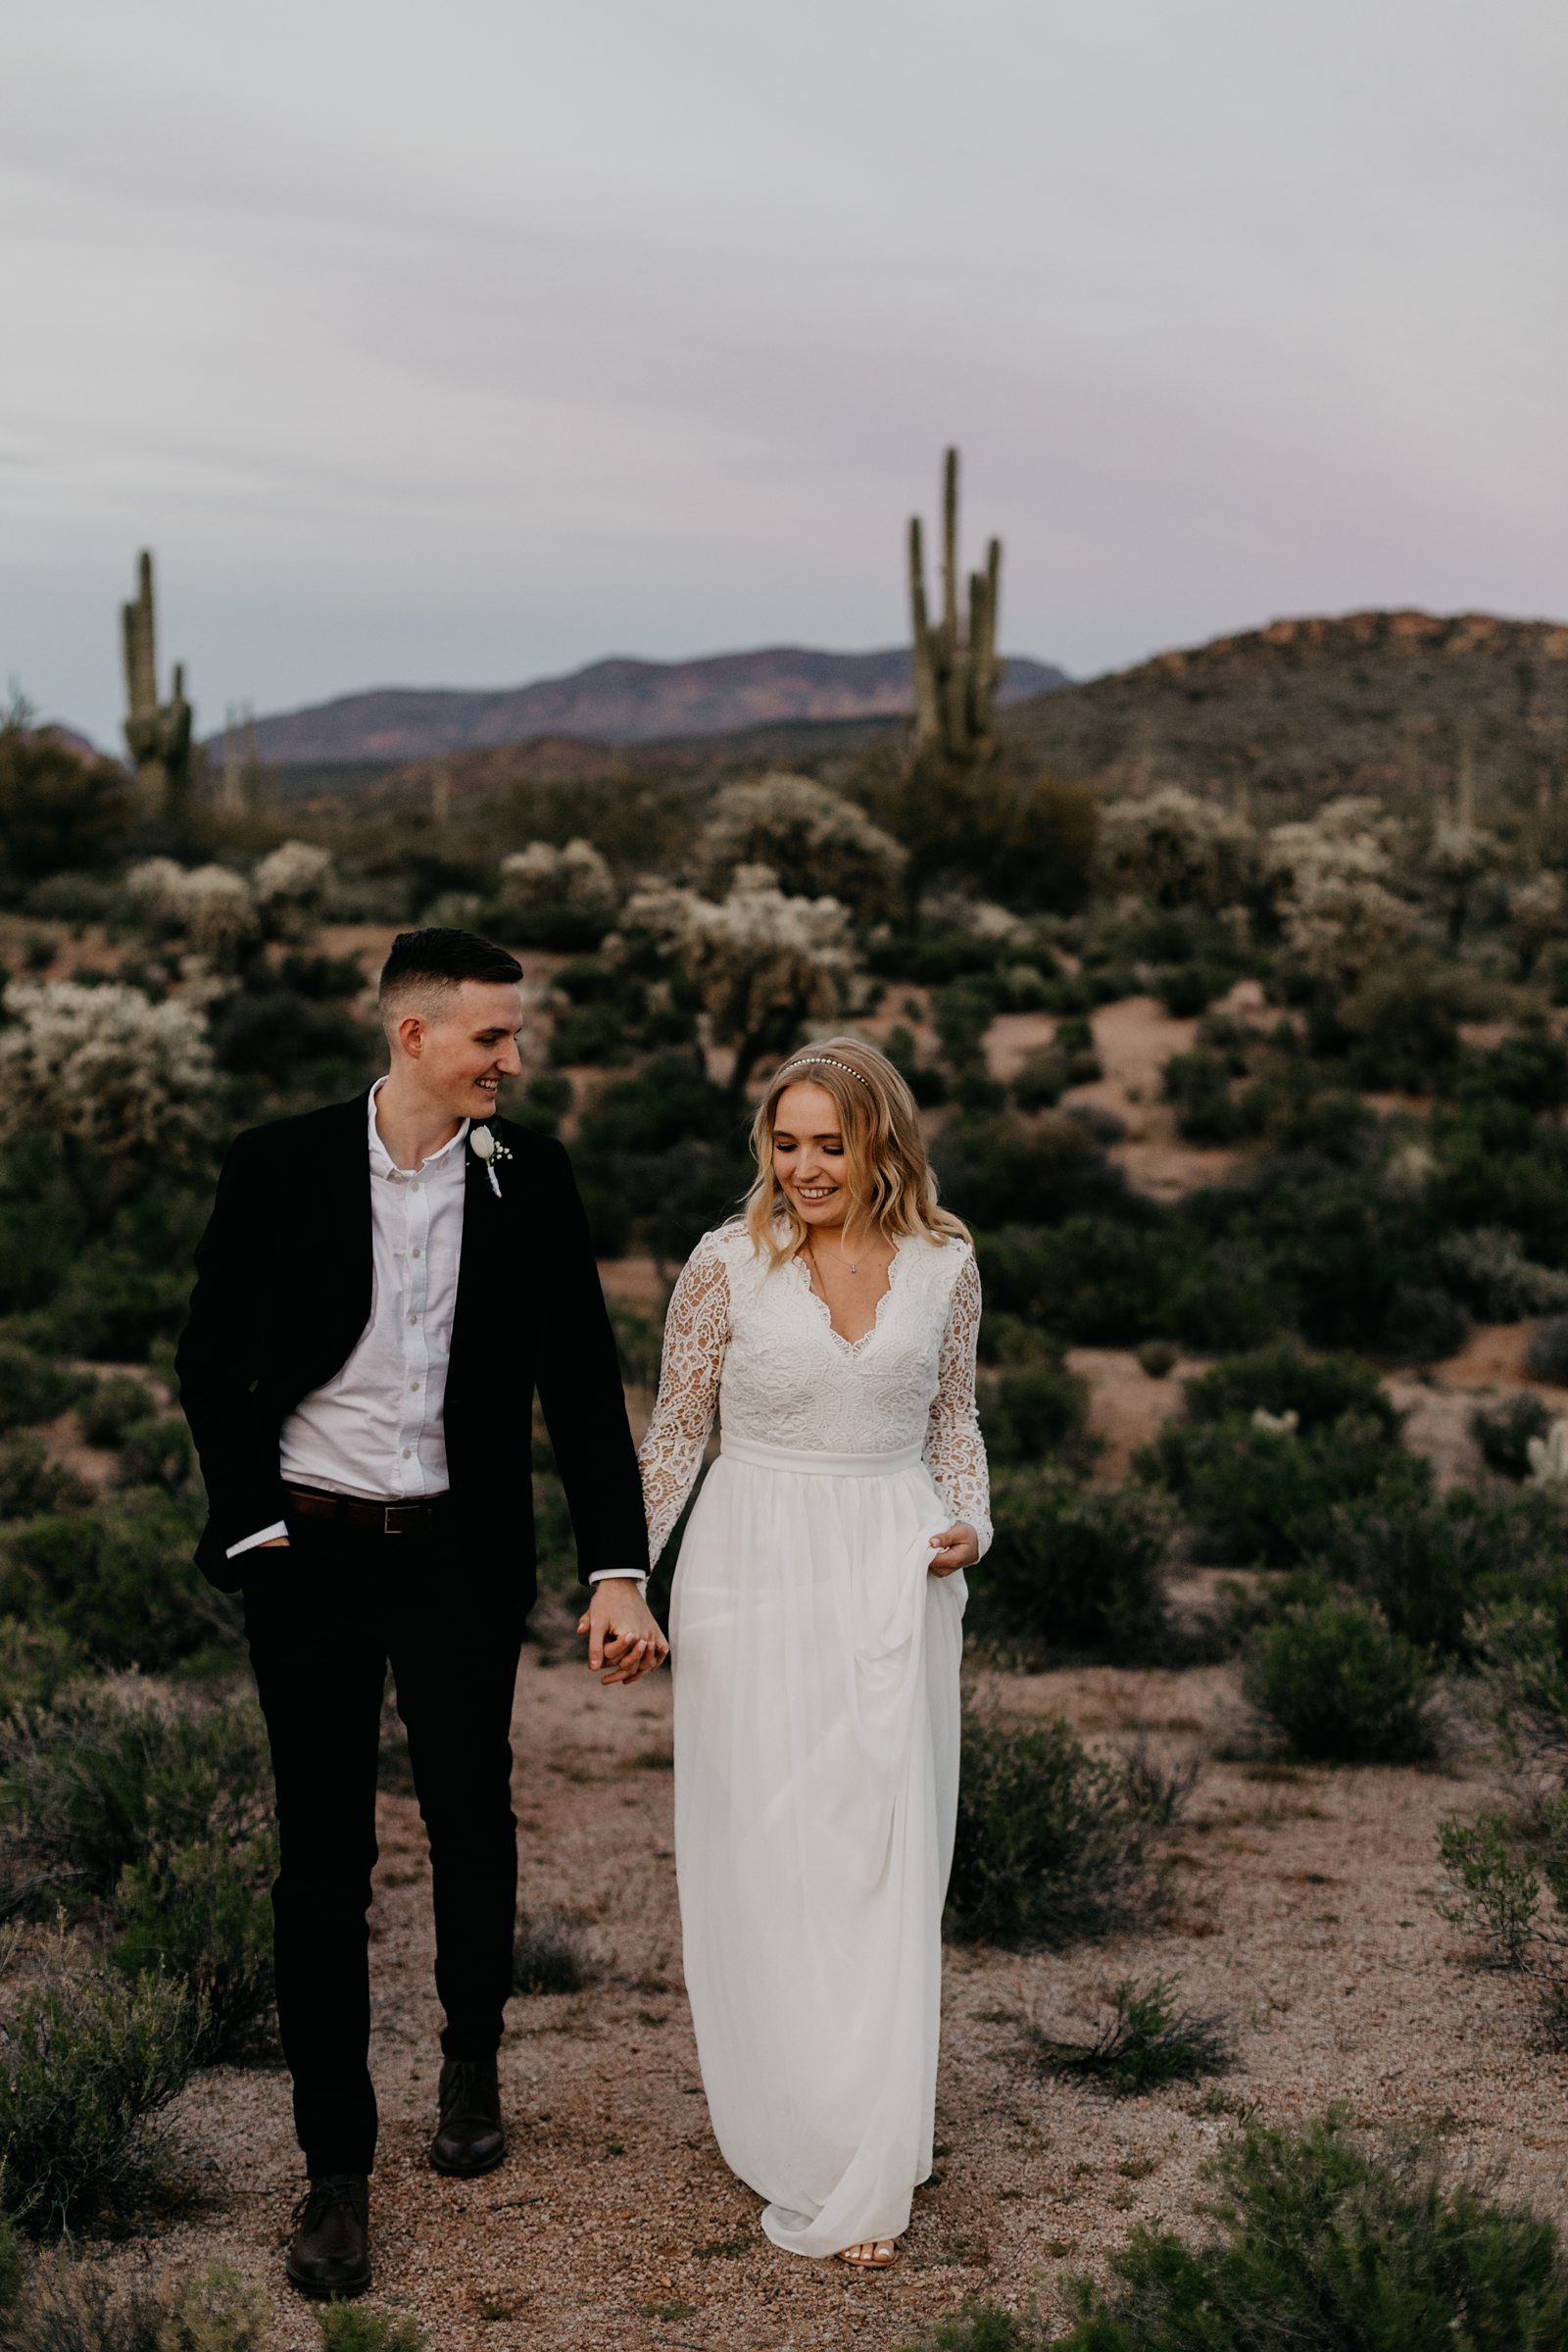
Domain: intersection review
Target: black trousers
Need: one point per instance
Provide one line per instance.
(324, 1619)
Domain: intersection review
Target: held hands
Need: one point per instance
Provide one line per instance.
(622, 1632)
(956, 1546)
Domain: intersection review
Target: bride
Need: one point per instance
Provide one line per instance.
(815, 1626)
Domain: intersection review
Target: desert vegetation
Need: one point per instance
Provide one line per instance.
(1255, 1105)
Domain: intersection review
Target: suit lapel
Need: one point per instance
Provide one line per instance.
(344, 1175)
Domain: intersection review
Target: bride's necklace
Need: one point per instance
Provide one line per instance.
(853, 1263)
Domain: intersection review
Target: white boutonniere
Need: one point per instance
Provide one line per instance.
(488, 1148)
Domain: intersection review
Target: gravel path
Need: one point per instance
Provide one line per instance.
(1301, 1910)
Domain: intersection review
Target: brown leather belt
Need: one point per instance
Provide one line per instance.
(384, 1518)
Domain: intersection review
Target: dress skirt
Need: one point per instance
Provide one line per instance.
(817, 1772)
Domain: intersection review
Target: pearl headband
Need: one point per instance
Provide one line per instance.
(828, 1062)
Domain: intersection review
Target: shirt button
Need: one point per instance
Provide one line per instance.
(412, 1384)
(414, 1188)
(416, 1252)
(414, 1318)
(408, 1453)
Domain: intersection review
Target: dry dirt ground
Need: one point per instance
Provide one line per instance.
(1301, 1910)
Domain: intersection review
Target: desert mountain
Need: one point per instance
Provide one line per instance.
(1383, 702)
(614, 702)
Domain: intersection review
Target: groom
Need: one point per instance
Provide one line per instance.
(382, 1287)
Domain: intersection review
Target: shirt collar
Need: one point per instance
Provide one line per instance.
(381, 1160)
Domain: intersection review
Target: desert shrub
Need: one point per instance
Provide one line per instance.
(549, 1954)
(110, 1407)
(1339, 1685)
(1492, 1889)
(1035, 1410)
(1111, 1281)
(35, 1662)
(1189, 988)
(1546, 1357)
(1503, 1432)
(355, 2328)
(995, 1169)
(1198, 1084)
(1148, 2039)
(1041, 1080)
(29, 1481)
(202, 1913)
(1423, 1324)
(1489, 1271)
(1053, 1842)
(1319, 2241)
(158, 1452)
(1264, 1496)
(102, 1781)
(1073, 1567)
(88, 2066)
(1403, 1022)
(68, 2305)
(32, 1388)
(119, 1580)
(1285, 1377)
(1431, 1560)
(1157, 1357)
(114, 1302)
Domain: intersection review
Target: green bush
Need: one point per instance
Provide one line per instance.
(1285, 1377)
(29, 1481)
(1147, 2040)
(158, 1452)
(1074, 1568)
(1320, 2242)
(550, 1955)
(1546, 1357)
(1157, 1357)
(68, 2305)
(353, 2328)
(1035, 1410)
(202, 1913)
(1256, 1497)
(36, 1661)
(1198, 1084)
(1041, 1080)
(113, 1302)
(111, 1407)
(88, 2066)
(119, 1580)
(1053, 1842)
(994, 1168)
(101, 1782)
(1339, 1685)
(32, 1388)
(1430, 1560)
(1503, 1432)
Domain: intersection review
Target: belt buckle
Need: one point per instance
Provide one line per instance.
(387, 1509)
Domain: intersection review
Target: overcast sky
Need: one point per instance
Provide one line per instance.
(465, 343)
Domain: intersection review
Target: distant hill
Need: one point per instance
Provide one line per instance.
(1383, 702)
(614, 702)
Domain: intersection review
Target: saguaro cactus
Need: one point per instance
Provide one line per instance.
(956, 670)
(157, 734)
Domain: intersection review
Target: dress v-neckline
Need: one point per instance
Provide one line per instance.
(850, 1346)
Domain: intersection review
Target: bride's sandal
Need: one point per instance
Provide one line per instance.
(872, 2254)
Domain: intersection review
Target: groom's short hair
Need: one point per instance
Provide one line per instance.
(431, 963)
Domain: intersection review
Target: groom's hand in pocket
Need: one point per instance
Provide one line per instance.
(623, 1635)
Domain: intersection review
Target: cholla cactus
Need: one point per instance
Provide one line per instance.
(294, 873)
(1458, 856)
(1338, 915)
(1538, 909)
(817, 842)
(975, 919)
(1175, 849)
(102, 1068)
(763, 962)
(1276, 1425)
(1549, 1456)
(543, 876)
(209, 905)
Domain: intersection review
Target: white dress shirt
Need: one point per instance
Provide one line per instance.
(375, 1430)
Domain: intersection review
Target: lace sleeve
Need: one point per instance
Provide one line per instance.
(954, 1450)
(695, 1332)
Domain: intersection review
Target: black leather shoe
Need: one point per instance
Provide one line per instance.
(330, 2253)
(470, 2135)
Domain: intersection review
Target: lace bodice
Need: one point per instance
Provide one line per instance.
(757, 1344)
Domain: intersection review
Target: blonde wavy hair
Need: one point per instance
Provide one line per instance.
(890, 1181)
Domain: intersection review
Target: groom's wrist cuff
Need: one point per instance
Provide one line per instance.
(636, 1576)
(267, 1535)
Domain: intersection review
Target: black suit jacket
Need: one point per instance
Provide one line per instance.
(283, 1293)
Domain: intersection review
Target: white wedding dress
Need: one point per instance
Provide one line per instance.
(816, 1712)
